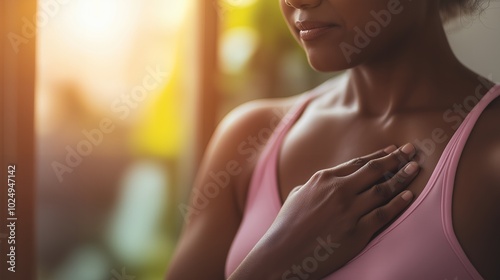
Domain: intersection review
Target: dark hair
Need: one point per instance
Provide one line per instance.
(451, 9)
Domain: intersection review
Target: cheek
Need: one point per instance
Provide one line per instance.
(366, 33)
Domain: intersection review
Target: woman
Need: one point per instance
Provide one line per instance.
(424, 206)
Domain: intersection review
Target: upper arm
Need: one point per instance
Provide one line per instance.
(213, 214)
(488, 210)
(476, 198)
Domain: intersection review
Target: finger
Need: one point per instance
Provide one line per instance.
(382, 193)
(381, 168)
(380, 217)
(353, 165)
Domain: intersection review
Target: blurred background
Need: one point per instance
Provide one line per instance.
(127, 94)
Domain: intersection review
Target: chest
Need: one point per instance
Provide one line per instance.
(319, 142)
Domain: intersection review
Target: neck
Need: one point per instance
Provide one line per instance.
(417, 74)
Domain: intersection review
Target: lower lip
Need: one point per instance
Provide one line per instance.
(312, 34)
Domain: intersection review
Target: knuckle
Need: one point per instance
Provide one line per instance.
(357, 161)
(399, 179)
(374, 165)
(388, 176)
(400, 158)
(393, 185)
(294, 190)
(324, 179)
(319, 175)
(382, 191)
(396, 158)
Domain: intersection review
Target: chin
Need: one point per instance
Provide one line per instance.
(329, 62)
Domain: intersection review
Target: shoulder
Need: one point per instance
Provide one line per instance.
(482, 151)
(479, 165)
(263, 115)
(241, 136)
(256, 114)
(238, 140)
(249, 119)
(487, 142)
(259, 118)
(243, 133)
(477, 192)
(213, 214)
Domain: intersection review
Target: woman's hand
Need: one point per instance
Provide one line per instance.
(326, 222)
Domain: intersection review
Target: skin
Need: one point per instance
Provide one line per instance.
(396, 92)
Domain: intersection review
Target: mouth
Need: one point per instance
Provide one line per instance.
(311, 30)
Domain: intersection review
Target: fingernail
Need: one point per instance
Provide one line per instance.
(409, 149)
(411, 168)
(407, 196)
(390, 149)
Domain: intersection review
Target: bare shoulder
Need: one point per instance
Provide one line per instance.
(243, 133)
(215, 209)
(483, 148)
(213, 214)
(247, 121)
(255, 114)
(486, 143)
(477, 192)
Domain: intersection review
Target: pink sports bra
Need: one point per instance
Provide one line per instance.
(420, 244)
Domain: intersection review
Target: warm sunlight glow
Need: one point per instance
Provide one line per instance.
(95, 19)
(243, 39)
(172, 12)
(239, 3)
